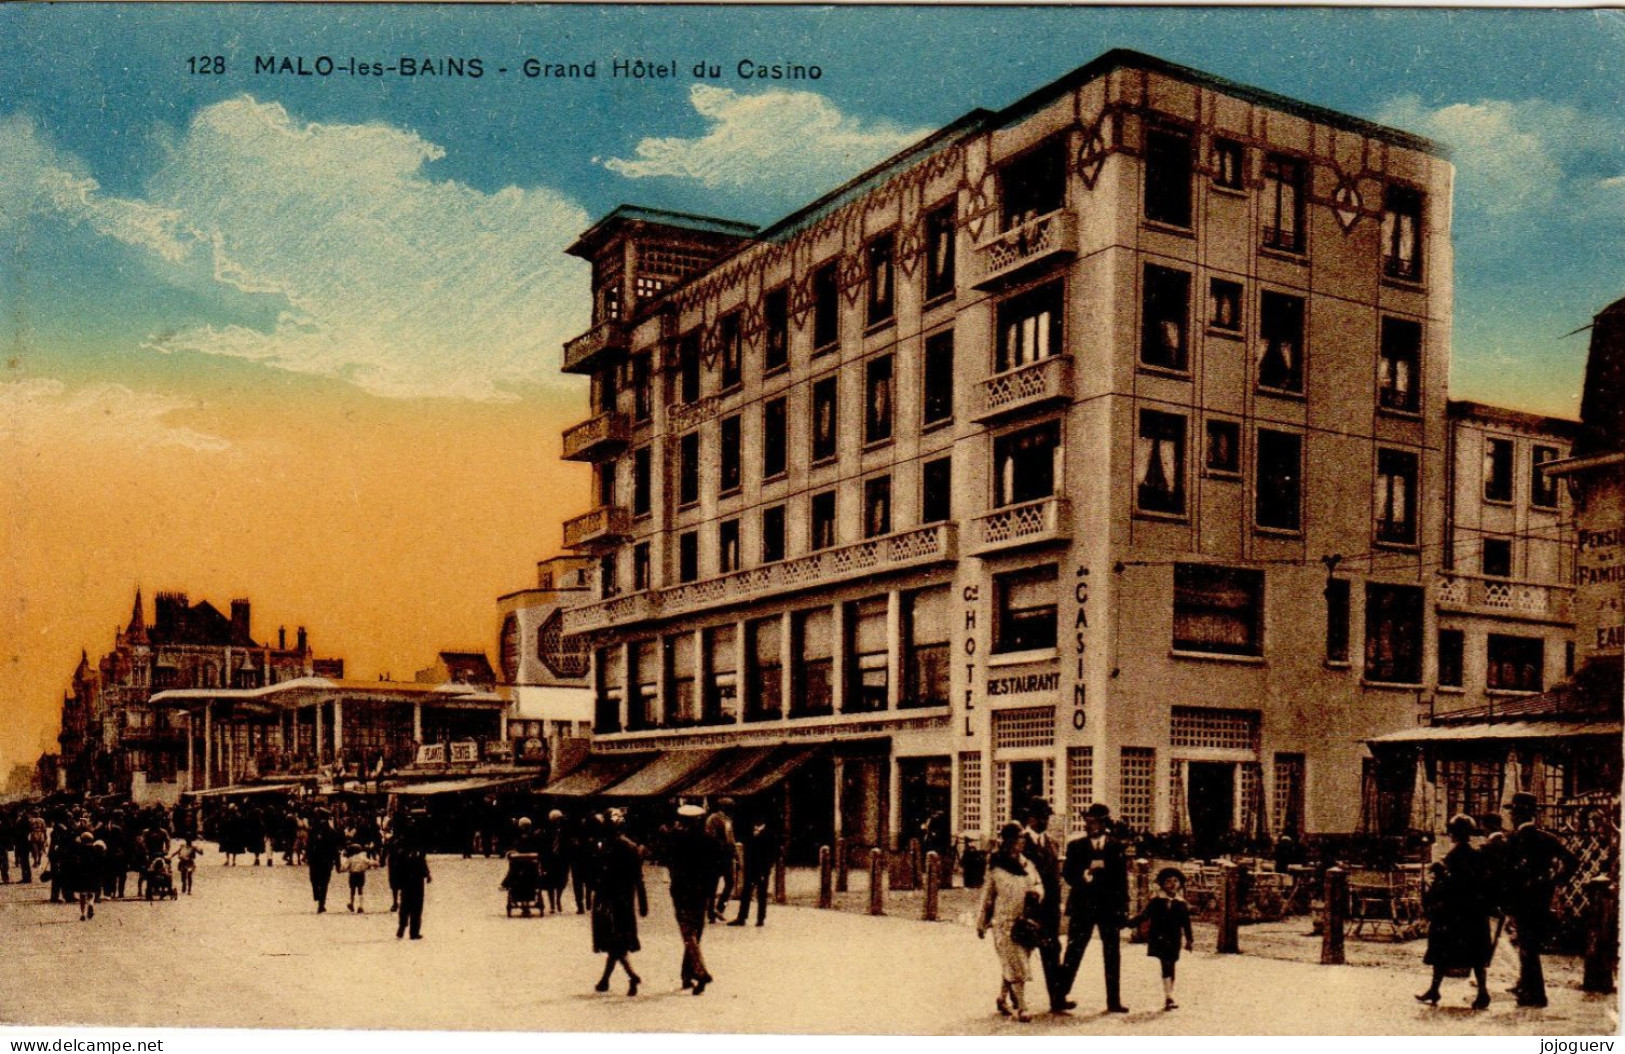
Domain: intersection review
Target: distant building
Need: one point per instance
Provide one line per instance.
(459, 667)
(544, 674)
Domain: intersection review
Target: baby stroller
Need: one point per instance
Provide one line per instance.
(523, 883)
(160, 882)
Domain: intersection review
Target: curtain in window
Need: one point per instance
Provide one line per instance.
(1179, 796)
(929, 617)
(1157, 458)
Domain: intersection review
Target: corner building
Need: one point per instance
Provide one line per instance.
(1093, 448)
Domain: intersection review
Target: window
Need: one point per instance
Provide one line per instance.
(1471, 786)
(688, 556)
(766, 685)
(1496, 557)
(1402, 233)
(731, 468)
(1030, 327)
(1138, 779)
(773, 534)
(814, 694)
(881, 278)
(776, 320)
(642, 404)
(1542, 488)
(877, 507)
(606, 483)
(926, 666)
(1289, 794)
(688, 469)
(823, 520)
(688, 368)
(936, 490)
(721, 702)
(1516, 664)
(1226, 297)
(826, 291)
(1223, 448)
(732, 350)
(1337, 620)
(604, 391)
(824, 412)
(1396, 497)
(939, 378)
(1166, 296)
(877, 407)
(1278, 500)
(1280, 335)
(608, 586)
(1498, 470)
(1168, 177)
(645, 674)
(1227, 164)
(775, 438)
(1393, 634)
(1218, 610)
(640, 481)
(681, 706)
(640, 566)
(1159, 463)
(941, 230)
(1283, 204)
(727, 546)
(1398, 384)
(1034, 184)
(867, 685)
(1452, 658)
(1026, 609)
(607, 708)
(1025, 464)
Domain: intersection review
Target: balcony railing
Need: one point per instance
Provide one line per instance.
(1038, 241)
(604, 526)
(936, 543)
(1029, 523)
(580, 354)
(597, 438)
(680, 417)
(1478, 594)
(1025, 387)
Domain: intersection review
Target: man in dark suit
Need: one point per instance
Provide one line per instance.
(1536, 863)
(1045, 856)
(695, 860)
(1096, 869)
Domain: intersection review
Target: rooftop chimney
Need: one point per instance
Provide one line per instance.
(240, 619)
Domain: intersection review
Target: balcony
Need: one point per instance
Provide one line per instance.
(919, 547)
(1029, 523)
(581, 354)
(1026, 387)
(1045, 240)
(602, 528)
(681, 417)
(1504, 598)
(597, 438)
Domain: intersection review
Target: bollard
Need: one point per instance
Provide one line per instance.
(1142, 895)
(877, 882)
(1602, 946)
(1333, 914)
(781, 893)
(841, 864)
(1229, 910)
(933, 879)
(915, 863)
(826, 897)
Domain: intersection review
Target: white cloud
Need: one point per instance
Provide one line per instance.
(797, 142)
(109, 413)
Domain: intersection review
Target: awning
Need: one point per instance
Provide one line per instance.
(785, 761)
(721, 780)
(1497, 730)
(245, 788)
(665, 774)
(595, 774)
(459, 786)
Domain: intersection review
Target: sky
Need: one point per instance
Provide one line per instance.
(296, 338)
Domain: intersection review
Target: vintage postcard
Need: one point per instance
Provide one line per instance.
(778, 519)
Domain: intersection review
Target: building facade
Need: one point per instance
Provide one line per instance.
(1096, 448)
(544, 674)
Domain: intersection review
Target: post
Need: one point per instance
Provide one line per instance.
(1333, 915)
(933, 879)
(826, 895)
(914, 865)
(780, 892)
(1230, 910)
(1142, 894)
(1602, 946)
(840, 865)
(877, 882)
(208, 744)
(191, 770)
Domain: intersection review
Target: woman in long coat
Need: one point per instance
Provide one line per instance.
(1011, 881)
(619, 901)
(1459, 907)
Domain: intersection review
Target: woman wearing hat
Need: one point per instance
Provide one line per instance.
(1459, 909)
(1012, 882)
(620, 901)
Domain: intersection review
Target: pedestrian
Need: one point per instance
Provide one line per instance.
(57, 856)
(1537, 863)
(1166, 922)
(620, 901)
(322, 858)
(88, 860)
(694, 860)
(761, 851)
(186, 863)
(1459, 909)
(356, 864)
(1011, 897)
(720, 826)
(412, 873)
(554, 859)
(1041, 851)
(1096, 869)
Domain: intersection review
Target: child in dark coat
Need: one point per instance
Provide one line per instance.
(1167, 922)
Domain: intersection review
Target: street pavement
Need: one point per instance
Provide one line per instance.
(247, 950)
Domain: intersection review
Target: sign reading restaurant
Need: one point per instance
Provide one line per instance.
(1023, 684)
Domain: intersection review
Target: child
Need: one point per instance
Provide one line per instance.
(1167, 919)
(186, 857)
(355, 864)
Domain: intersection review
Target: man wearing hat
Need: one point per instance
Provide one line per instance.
(1096, 869)
(1045, 856)
(694, 860)
(322, 857)
(1537, 863)
(719, 824)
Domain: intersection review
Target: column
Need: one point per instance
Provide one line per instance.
(743, 659)
(629, 687)
(338, 729)
(662, 682)
(840, 779)
(896, 648)
(191, 772)
(417, 723)
(840, 661)
(698, 673)
(787, 657)
(208, 744)
(316, 726)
